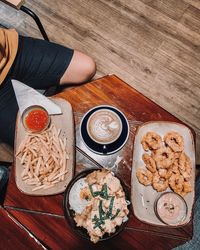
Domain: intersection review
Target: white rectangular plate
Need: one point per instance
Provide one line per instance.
(65, 122)
(143, 197)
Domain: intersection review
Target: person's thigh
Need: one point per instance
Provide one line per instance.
(81, 69)
(39, 63)
(8, 112)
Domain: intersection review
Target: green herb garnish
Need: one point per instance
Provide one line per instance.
(103, 193)
(101, 211)
(114, 216)
(99, 221)
(94, 194)
(109, 213)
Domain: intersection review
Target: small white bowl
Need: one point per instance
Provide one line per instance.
(173, 208)
(27, 112)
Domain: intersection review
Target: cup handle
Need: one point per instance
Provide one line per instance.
(105, 149)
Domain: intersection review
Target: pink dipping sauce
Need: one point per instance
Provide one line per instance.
(171, 208)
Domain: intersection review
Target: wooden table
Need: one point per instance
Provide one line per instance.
(43, 216)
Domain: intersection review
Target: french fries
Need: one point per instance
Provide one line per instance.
(44, 158)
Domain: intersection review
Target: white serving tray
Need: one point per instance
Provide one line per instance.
(63, 121)
(143, 197)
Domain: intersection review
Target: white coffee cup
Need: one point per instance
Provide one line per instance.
(104, 126)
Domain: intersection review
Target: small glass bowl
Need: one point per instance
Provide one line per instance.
(171, 209)
(25, 114)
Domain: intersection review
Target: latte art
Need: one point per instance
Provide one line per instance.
(104, 126)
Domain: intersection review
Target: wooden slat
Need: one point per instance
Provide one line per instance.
(14, 236)
(191, 19)
(173, 8)
(195, 3)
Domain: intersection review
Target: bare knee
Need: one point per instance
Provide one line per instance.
(81, 69)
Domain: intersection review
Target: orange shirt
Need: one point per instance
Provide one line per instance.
(8, 50)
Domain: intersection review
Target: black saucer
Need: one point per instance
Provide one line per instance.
(109, 148)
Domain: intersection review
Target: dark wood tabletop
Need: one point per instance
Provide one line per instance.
(40, 220)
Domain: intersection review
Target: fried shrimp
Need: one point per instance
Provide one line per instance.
(165, 173)
(175, 169)
(144, 176)
(185, 166)
(185, 162)
(150, 163)
(159, 183)
(176, 182)
(166, 165)
(162, 172)
(187, 187)
(177, 155)
(151, 141)
(164, 157)
(175, 141)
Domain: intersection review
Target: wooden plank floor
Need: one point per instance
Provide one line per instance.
(153, 45)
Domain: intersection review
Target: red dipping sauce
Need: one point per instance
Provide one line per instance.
(37, 119)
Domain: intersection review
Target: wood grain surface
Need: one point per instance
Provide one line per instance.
(153, 45)
(57, 234)
(33, 212)
(20, 238)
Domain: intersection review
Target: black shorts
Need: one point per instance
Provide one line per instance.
(38, 64)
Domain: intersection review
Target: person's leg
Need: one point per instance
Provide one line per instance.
(8, 113)
(40, 65)
(81, 69)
